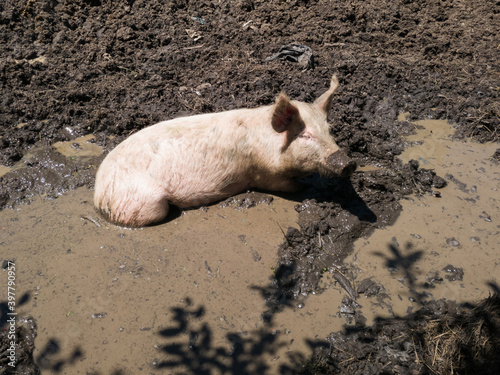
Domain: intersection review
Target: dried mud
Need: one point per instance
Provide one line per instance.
(77, 77)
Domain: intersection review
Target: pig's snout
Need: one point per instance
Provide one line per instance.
(341, 165)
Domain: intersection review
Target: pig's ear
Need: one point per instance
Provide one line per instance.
(285, 114)
(325, 101)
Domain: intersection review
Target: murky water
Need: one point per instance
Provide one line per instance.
(121, 299)
(79, 147)
(109, 292)
(460, 228)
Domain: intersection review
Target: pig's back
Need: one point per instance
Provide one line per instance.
(191, 161)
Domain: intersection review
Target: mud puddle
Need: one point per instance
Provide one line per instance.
(49, 170)
(107, 298)
(77, 149)
(186, 296)
(444, 246)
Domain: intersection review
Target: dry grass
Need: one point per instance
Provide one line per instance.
(464, 343)
(440, 339)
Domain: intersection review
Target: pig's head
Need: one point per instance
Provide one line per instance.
(307, 145)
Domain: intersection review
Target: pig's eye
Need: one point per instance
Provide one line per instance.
(305, 135)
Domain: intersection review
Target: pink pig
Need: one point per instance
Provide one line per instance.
(193, 161)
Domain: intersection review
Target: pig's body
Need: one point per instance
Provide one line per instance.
(197, 160)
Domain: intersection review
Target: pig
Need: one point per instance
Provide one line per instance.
(197, 160)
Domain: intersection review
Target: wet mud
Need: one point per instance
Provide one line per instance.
(442, 338)
(70, 69)
(78, 77)
(18, 359)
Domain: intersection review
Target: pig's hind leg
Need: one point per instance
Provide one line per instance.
(150, 212)
(138, 210)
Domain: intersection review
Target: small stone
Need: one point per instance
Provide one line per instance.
(433, 277)
(438, 182)
(452, 242)
(485, 217)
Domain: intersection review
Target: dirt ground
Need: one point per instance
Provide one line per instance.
(77, 77)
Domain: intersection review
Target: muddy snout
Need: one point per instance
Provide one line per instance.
(341, 165)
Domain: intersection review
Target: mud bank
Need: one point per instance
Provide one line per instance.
(69, 69)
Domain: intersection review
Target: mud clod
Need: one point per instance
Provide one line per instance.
(247, 200)
(485, 217)
(453, 273)
(342, 211)
(432, 278)
(496, 156)
(369, 288)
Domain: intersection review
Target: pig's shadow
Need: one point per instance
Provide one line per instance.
(321, 189)
(335, 190)
(174, 212)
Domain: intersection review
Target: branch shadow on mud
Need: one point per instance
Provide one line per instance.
(4, 308)
(439, 336)
(404, 261)
(191, 347)
(199, 355)
(49, 357)
(406, 264)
